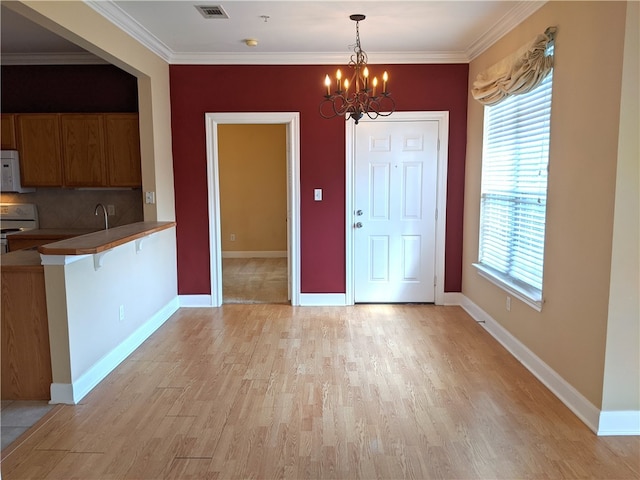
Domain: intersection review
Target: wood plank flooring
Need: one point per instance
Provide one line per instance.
(254, 280)
(364, 392)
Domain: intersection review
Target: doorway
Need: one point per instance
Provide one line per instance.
(396, 257)
(253, 213)
(291, 122)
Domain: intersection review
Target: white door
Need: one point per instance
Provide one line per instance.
(396, 167)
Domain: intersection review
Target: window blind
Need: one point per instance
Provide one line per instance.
(514, 190)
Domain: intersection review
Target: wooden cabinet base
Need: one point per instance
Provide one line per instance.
(26, 357)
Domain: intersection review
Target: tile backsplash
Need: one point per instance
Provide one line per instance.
(74, 208)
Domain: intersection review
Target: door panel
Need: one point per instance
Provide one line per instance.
(395, 202)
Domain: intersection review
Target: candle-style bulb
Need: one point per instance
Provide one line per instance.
(375, 84)
(338, 74)
(365, 72)
(327, 82)
(385, 78)
(346, 84)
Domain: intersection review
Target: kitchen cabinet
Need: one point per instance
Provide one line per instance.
(40, 149)
(8, 134)
(83, 150)
(26, 354)
(123, 149)
(79, 150)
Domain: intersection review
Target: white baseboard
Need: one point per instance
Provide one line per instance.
(574, 400)
(452, 298)
(619, 423)
(258, 254)
(195, 300)
(323, 299)
(76, 391)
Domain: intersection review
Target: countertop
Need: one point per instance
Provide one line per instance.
(21, 260)
(53, 232)
(103, 239)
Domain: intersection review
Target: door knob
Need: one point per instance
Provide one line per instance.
(359, 225)
(359, 213)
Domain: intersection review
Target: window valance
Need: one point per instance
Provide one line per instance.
(518, 73)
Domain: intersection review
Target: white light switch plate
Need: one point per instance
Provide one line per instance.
(317, 194)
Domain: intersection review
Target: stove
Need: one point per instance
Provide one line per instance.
(16, 217)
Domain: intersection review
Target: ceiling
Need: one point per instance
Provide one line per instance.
(287, 32)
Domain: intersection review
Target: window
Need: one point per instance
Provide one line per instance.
(514, 192)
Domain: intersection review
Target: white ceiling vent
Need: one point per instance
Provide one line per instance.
(212, 11)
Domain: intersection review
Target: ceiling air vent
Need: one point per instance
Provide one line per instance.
(212, 11)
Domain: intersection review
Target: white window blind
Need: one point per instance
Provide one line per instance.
(514, 191)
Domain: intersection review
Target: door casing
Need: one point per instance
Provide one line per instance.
(442, 117)
(292, 122)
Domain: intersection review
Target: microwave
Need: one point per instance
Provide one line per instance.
(11, 173)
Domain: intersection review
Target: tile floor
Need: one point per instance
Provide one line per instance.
(17, 416)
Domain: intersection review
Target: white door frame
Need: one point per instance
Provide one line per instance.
(442, 117)
(292, 122)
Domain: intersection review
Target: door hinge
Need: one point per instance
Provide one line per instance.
(438, 144)
(435, 280)
(436, 214)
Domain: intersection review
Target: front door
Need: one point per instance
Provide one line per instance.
(396, 167)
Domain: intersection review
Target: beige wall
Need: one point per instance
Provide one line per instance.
(80, 24)
(253, 188)
(622, 361)
(570, 332)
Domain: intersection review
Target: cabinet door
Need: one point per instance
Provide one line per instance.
(83, 150)
(39, 145)
(8, 140)
(123, 150)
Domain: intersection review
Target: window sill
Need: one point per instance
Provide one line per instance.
(530, 297)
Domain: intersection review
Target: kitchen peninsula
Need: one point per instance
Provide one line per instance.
(106, 292)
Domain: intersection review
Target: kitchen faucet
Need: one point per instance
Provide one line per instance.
(104, 211)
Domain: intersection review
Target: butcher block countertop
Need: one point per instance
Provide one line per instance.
(103, 239)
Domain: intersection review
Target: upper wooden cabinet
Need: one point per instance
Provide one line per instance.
(40, 150)
(9, 140)
(83, 153)
(122, 135)
(79, 150)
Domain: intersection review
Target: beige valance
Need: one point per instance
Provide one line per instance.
(519, 73)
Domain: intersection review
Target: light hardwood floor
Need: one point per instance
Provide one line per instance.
(274, 391)
(254, 280)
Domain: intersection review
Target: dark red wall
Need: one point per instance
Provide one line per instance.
(199, 89)
(68, 88)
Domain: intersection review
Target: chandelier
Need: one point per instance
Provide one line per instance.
(358, 96)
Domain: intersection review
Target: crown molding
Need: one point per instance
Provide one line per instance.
(122, 20)
(79, 58)
(297, 58)
(508, 22)
(117, 16)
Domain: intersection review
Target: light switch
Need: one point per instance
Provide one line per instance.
(149, 197)
(317, 194)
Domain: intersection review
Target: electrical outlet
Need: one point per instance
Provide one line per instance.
(232, 237)
(121, 313)
(508, 304)
(111, 209)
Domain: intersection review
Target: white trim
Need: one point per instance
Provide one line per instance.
(567, 394)
(61, 393)
(110, 10)
(322, 300)
(292, 121)
(442, 117)
(188, 301)
(508, 22)
(520, 293)
(452, 298)
(63, 58)
(76, 391)
(619, 423)
(255, 254)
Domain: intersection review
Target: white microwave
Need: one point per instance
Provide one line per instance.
(11, 173)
